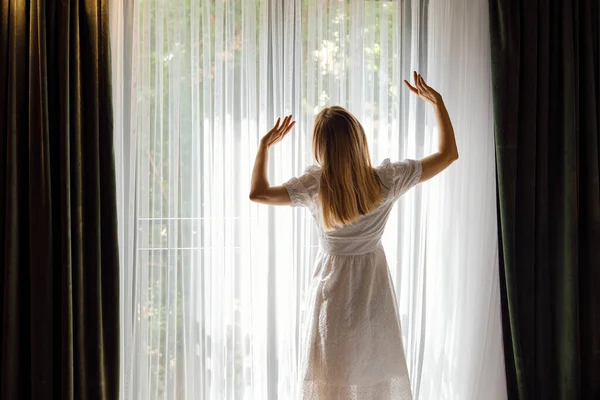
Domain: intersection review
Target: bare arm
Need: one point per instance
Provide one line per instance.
(447, 153)
(260, 190)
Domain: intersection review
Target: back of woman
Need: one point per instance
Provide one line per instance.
(364, 232)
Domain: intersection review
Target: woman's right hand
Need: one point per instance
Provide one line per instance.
(423, 91)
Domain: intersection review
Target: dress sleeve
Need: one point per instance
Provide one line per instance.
(402, 175)
(304, 189)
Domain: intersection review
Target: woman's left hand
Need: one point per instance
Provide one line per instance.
(278, 132)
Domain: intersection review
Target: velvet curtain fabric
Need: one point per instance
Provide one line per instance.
(59, 280)
(546, 78)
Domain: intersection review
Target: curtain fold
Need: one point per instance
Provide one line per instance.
(58, 242)
(213, 286)
(546, 72)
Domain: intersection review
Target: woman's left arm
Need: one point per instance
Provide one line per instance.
(260, 190)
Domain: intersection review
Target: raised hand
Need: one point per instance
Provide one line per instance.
(423, 91)
(278, 132)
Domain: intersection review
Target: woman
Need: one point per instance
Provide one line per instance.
(352, 336)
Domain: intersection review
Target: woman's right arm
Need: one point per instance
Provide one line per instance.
(447, 153)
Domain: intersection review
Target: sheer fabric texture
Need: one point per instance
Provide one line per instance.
(353, 347)
(214, 288)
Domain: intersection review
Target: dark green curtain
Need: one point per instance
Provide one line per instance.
(59, 286)
(546, 87)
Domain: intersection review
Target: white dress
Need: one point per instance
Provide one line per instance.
(352, 334)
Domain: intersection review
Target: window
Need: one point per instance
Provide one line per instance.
(213, 286)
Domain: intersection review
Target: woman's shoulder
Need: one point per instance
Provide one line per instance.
(383, 169)
(389, 167)
(384, 164)
(313, 171)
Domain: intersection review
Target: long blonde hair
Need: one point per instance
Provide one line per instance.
(350, 187)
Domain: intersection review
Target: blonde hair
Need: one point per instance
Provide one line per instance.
(350, 187)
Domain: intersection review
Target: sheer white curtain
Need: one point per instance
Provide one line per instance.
(212, 285)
